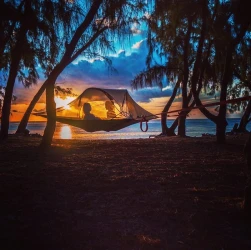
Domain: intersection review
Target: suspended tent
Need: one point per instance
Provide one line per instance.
(102, 110)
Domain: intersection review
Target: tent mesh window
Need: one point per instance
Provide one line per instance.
(102, 109)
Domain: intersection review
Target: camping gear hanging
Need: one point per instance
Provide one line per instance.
(102, 110)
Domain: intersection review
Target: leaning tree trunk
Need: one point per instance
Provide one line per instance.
(245, 119)
(51, 105)
(23, 124)
(165, 129)
(51, 116)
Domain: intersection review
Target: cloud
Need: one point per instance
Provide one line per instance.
(137, 45)
(147, 94)
(84, 74)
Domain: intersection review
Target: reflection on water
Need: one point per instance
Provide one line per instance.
(65, 132)
(194, 127)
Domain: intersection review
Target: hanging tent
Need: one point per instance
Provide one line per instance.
(102, 110)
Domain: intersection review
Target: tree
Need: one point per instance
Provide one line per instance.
(172, 32)
(9, 16)
(224, 47)
(241, 85)
(25, 44)
(63, 92)
(154, 76)
(103, 21)
(15, 55)
(2, 93)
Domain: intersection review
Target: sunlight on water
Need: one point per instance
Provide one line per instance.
(65, 132)
(194, 127)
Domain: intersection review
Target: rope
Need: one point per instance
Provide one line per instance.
(141, 124)
(240, 99)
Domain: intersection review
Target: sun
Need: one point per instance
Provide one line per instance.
(63, 102)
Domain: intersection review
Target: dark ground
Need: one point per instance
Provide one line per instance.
(168, 193)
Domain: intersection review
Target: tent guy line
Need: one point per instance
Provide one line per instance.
(240, 99)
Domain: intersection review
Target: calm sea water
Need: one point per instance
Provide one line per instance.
(194, 127)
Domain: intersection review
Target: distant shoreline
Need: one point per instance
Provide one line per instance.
(194, 128)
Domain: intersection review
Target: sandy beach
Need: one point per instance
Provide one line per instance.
(166, 193)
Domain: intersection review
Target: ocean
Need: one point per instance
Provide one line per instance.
(194, 128)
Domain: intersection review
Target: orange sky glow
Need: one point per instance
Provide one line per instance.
(155, 106)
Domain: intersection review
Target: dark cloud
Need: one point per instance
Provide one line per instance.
(145, 95)
(96, 74)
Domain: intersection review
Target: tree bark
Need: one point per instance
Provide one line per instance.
(182, 118)
(51, 116)
(182, 126)
(15, 60)
(165, 129)
(8, 97)
(221, 122)
(221, 125)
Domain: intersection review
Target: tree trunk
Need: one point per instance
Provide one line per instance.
(182, 126)
(16, 55)
(165, 129)
(182, 118)
(51, 116)
(221, 125)
(245, 119)
(185, 101)
(227, 77)
(8, 97)
(221, 119)
(247, 193)
(23, 124)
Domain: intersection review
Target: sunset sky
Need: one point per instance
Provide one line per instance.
(128, 62)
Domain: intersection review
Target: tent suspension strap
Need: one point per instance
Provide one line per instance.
(240, 99)
(141, 124)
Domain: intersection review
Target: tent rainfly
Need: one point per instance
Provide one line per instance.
(101, 110)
